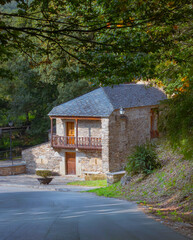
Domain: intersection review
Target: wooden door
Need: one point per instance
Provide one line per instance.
(71, 163)
(70, 133)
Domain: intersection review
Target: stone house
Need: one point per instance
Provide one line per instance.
(97, 131)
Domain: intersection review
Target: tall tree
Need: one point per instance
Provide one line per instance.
(113, 41)
(106, 42)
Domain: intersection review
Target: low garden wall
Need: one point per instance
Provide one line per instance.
(91, 176)
(12, 170)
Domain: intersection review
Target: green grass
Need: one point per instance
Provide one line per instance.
(110, 191)
(95, 183)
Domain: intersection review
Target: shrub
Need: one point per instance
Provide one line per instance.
(143, 160)
(44, 173)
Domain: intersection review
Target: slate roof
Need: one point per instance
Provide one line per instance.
(103, 101)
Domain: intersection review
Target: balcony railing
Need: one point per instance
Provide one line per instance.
(73, 142)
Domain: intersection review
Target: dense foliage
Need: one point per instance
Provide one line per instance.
(109, 41)
(27, 97)
(71, 46)
(176, 121)
(142, 160)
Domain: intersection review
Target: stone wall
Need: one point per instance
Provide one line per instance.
(89, 161)
(12, 170)
(60, 127)
(95, 176)
(125, 133)
(89, 128)
(42, 156)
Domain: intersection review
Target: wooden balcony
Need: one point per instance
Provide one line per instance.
(73, 142)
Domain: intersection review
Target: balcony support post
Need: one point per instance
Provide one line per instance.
(76, 133)
(51, 131)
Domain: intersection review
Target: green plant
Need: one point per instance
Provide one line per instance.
(144, 193)
(159, 213)
(161, 177)
(174, 213)
(143, 160)
(141, 202)
(113, 190)
(44, 173)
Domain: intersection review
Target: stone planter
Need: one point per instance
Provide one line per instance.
(44, 180)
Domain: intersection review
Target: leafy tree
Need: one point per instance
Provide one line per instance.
(31, 93)
(73, 89)
(26, 95)
(105, 43)
(114, 41)
(177, 121)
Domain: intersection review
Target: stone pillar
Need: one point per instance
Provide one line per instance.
(105, 144)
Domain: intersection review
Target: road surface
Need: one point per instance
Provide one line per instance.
(27, 214)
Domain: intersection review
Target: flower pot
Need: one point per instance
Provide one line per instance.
(45, 180)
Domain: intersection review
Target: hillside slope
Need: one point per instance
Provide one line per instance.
(167, 192)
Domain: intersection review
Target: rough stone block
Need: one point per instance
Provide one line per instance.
(114, 177)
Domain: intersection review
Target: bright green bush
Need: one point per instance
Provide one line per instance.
(44, 173)
(143, 160)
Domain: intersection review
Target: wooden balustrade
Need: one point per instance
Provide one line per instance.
(71, 142)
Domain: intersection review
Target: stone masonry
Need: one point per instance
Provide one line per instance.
(90, 161)
(41, 156)
(12, 170)
(125, 132)
(87, 161)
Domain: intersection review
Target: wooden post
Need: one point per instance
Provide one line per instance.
(76, 133)
(51, 131)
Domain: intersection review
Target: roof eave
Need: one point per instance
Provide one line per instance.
(74, 117)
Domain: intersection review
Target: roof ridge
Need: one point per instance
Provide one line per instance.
(108, 98)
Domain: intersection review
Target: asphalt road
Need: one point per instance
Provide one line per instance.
(38, 215)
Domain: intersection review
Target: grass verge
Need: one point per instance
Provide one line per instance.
(113, 191)
(95, 183)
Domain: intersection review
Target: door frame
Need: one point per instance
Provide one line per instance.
(66, 172)
(71, 139)
(67, 122)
